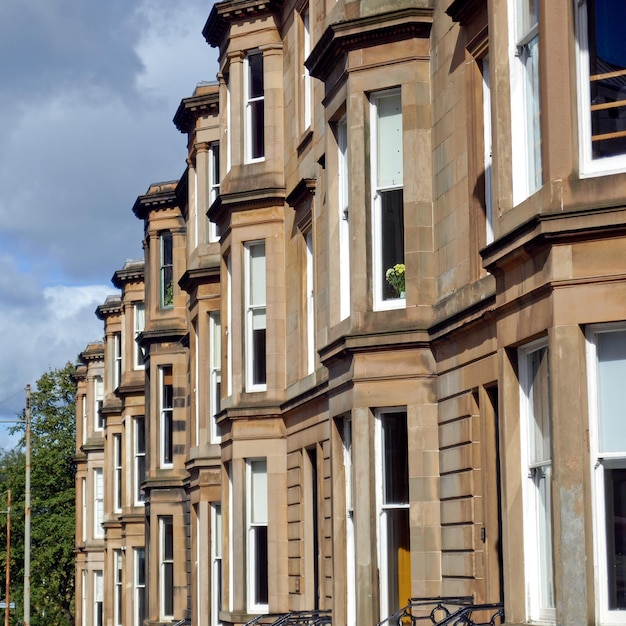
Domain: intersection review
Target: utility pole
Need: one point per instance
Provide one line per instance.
(27, 515)
(8, 563)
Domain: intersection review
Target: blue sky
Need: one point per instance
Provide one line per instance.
(88, 90)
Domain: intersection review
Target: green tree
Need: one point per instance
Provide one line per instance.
(52, 503)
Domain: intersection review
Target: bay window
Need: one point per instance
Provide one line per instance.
(214, 185)
(606, 375)
(167, 415)
(602, 86)
(392, 466)
(215, 374)
(139, 591)
(166, 566)
(117, 360)
(117, 587)
(216, 562)
(254, 130)
(98, 597)
(99, 401)
(140, 324)
(257, 547)
(525, 102)
(166, 271)
(139, 453)
(256, 318)
(387, 200)
(117, 473)
(98, 498)
(536, 440)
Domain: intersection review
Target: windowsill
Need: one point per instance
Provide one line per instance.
(305, 140)
(390, 305)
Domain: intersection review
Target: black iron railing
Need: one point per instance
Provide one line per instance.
(294, 618)
(453, 611)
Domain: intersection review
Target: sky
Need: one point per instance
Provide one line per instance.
(88, 90)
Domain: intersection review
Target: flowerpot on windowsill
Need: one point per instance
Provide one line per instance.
(403, 295)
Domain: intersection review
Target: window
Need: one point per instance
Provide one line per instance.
(117, 473)
(310, 303)
(229, 325)
(537, 474)
(99, 401)
(255, 107)
(139, 590)
(214, 186)
(526, 107)
(166, 566)
(256, 322)
(228, 131)
(83, 403)
(257, 555)
(83, 483)
(487, 147)
(602, 69)
(215, 373)
(118, 589)
(305, 78)
(344, 218)
(350, 548)
(216, 561)
(117, 360)
(83, 597)
(167, 416)
(139, 454)
(167, 271)
(98, 497)
(607, 372)
(140, 325)
(392, 465)
(98, 598)
(387, 201)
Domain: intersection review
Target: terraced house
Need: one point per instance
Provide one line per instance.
(375, 351)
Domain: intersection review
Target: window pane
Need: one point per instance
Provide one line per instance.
(540, 447)
(257, 274)
(389, 141)
(615, 489)
(168, 587)
(395, 458)
(607, 68)
(257, 129)
(259, 373)
(255, 64)
(260, 563)
(399, 559)
(530, 56)
(612, 391)
(258, 486)
(392, 236)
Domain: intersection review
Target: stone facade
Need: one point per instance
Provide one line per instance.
(317, 439)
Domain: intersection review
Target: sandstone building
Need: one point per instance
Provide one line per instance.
(376, 348)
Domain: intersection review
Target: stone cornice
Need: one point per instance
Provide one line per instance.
(133, 271)
(199, 274)
(158, 196)
(112, 305)
(223, 13)
(363, 32)
(205, 102)
(242, 200)
(93, 352)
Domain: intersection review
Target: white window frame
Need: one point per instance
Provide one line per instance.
(139, 586)
(488, 148)
(227, 130)
(231, 538)
(343, 184)
(217, 545)
(166, 267)
(98, 597)
(166, 565)
(117, 473)
(83, 482)
(384, 509)
(139, 324)
(166, 438)
(118, 588)
(350, 545)
(117, 359)
(213, 164)
(84, 417)
(256, 518)
(139, 458)
(98, 418)
(307, 117)
(215, 374)
(98, 503)
(589, 166)
(601, 461)
(83, 597)
(229, 325)
(254, 310)
(250, 105)
(538, 535)
(527, 169)
(378, 283)
(310, 302)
